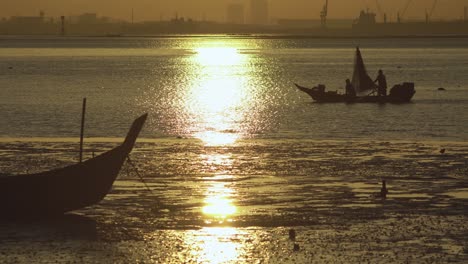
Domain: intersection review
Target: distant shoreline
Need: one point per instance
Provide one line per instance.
(246, 36)
(168, 138)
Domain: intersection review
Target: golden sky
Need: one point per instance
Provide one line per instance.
(215, 9)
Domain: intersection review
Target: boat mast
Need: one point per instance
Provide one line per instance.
(82, 128)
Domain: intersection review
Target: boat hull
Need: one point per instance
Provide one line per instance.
(65, 189)
(401, 93)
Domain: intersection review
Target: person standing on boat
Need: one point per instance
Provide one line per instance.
(381, 83)
(350, 89)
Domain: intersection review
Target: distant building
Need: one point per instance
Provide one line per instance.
(366, 18)
(366, 25)
(87, 18)
(313, 23)
(259, 12)
(235, 14)
(28, 20)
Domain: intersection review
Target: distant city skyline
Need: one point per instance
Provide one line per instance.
(215, 10)
(259, 12)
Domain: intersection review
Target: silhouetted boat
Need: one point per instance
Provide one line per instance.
(66, 189)
(364, 88)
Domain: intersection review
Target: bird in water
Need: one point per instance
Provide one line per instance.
(442, 151)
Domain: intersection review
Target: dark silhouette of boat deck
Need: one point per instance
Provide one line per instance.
(398, 94)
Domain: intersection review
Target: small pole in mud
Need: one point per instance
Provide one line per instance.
(383, 190)
(296, 247)
(82, 128)
(292, 234)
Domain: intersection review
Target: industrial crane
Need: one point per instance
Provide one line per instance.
(429, 15)
(379, 9)
(401, 14)
(323, 15)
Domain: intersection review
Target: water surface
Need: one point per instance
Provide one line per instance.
(235, 156)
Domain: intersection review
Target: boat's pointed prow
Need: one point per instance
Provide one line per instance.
(304, 89)
(69, 188)
(134, 132)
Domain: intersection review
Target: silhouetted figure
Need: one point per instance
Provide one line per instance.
(382, 84)
(442, 151)
(383, 190)
(321, 88)
(292, 234)
(350, 89)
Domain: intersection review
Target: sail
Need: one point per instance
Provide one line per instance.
(362, 83)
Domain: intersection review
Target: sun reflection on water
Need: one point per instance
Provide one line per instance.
(218, 56)
(215, 138)
(218, 99)
(215, 245)
(219, 96)
(218, 207)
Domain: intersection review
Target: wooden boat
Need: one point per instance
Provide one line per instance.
(364, 88)
(65, 189)
(400, 93)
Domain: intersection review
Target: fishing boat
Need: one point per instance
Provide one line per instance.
(365, 90)
(66, 189)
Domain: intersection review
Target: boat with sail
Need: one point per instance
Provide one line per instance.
(66, 189)
(365, 90)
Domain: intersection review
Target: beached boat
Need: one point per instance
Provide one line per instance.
(364, 88)
(65, 189)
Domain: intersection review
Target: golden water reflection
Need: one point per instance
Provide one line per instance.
(219, 99)
(215, 138)
(216, 245)
(219, 206)
(219, 55)
(219, 96)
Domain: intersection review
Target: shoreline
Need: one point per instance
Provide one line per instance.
(239, 142)
(245, 36)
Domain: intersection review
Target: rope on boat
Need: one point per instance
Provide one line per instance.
(138, 173)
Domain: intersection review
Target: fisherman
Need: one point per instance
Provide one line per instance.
(350, 89)
(321, 88)
(382, 84)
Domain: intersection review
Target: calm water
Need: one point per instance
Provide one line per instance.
(228, 88)
(235, 155)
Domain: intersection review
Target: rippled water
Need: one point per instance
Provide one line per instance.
(229, 88)
(235, 156)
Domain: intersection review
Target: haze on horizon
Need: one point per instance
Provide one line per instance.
(215, 10)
